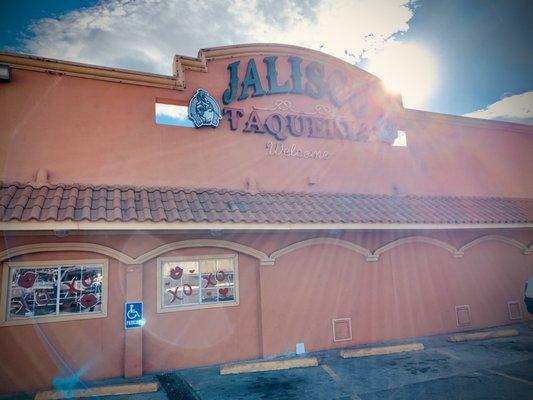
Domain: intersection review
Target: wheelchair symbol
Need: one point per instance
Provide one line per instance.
(132, 313)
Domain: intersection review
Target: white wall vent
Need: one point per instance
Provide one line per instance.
(515, 311)
(462, 313)
(342, 329)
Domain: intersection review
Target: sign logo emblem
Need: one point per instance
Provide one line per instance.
(204, 109)
(133, 315)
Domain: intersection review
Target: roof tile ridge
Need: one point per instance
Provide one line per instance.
(152, 189)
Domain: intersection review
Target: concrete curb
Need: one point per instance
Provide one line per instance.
(463, 337)
(131, 388)
(378, 351)
(275, 365)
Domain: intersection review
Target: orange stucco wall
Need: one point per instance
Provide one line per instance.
(31, 356)
(410, 291)
(91, 131)
(200, 337)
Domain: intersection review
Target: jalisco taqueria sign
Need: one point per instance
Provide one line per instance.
(349, 118)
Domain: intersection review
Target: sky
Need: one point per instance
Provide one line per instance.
(461, 57)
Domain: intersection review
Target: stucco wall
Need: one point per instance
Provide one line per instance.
(31, 356)
(96, 132)
(410, 291)
(191, 338)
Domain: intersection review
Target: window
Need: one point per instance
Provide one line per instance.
(401, 139)
(54, 291)
(186, 283)
(170, 114)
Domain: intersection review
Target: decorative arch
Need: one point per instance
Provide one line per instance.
(224, 244)
(321, 240)
(263, 258)
(497, 238)
(46, 247)
(415, 239)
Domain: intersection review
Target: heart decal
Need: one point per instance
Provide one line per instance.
(176, 273)
(191, 271)
(88, 300)
(27, 280)
(224, 291)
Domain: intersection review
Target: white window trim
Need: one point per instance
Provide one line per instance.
(161, 260)
(56, 318)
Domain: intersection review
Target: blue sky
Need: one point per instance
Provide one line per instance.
(479, 52)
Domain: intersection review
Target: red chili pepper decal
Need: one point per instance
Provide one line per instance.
(176, 273)
(71, 288)
(27, 280)
(223, 292)
(88, 300)
(210, 281)
(221, 276)
(41, 294)
(84, 279)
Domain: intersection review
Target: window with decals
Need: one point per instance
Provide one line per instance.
(197, 282)
(48, 291)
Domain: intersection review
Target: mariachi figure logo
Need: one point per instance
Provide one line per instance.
(204, 109)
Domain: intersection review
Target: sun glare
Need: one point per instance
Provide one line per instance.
(408, 69)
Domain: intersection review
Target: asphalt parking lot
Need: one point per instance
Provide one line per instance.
(486, 369)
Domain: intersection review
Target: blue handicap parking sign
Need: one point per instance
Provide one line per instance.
(133, 315)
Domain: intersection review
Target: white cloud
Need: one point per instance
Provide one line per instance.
(517, 108)
(145, 34)
(172, 111)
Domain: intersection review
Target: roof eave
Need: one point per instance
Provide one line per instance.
(243, 226)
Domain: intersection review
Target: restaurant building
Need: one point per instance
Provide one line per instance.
(302, 204)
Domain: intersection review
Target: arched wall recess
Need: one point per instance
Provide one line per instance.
(46, 247)
(126, 259)
(415, 239)
(497, 238)
(184, 244)
(322, 240)
(263, 258)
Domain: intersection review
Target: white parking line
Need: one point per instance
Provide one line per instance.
(514, 378)
(330, 372)
(448, 353)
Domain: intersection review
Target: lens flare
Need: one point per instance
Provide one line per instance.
(408, 69)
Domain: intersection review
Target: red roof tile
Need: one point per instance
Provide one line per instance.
(22, 202)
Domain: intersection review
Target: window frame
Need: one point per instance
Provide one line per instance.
(160, 294)
(7, 266)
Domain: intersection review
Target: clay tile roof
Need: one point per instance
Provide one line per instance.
(23, 202)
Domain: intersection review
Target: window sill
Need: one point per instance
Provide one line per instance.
(164, 310)
(46, 320)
